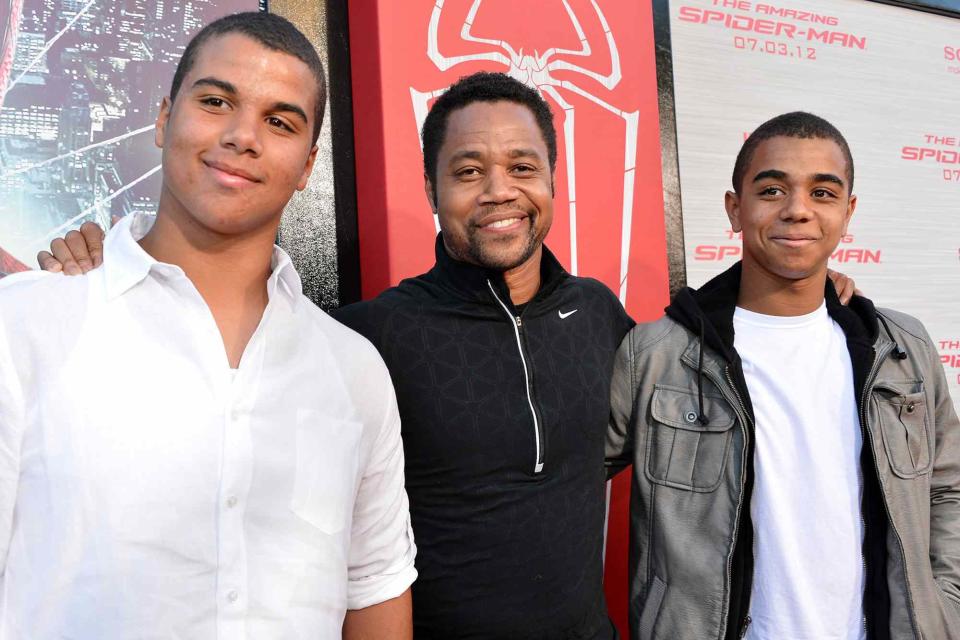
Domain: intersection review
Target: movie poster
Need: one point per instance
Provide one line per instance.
(80, 85)
(591, 60)
(889, 79)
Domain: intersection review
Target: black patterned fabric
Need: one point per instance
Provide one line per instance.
(503, 551)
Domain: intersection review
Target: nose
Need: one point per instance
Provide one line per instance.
(797, 207)
(242, 133)
(498, 187)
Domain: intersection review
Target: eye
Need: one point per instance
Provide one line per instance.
(468, 172)
(771, 191)
(214, 101)
(524, 168)
(823, 193)
(274, 121)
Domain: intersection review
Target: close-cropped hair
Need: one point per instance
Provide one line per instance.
(274, 33)
(483, 86)
(796, 124)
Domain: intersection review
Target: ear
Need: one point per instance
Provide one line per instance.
(430, 192)
(307, 169)
(851, 206)
(731, 201)
(162, 117)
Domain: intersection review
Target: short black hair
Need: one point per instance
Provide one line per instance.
(274, 33)
(796, 124)
(483, 86)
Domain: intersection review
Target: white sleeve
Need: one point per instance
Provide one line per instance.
(11, 433)
(382, 549)
(26, 277)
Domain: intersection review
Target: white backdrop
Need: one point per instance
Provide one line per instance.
(889, 79)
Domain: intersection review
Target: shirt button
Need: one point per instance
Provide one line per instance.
(232, 502)
(233, 595)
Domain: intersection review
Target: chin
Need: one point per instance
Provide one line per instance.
(795, 271)
(504, 258)
(237, 223)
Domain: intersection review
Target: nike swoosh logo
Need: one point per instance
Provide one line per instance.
(566, 315)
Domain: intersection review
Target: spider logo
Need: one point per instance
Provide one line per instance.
(537, 72)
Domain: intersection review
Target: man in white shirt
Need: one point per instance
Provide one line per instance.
(796, 462)
(240, 472)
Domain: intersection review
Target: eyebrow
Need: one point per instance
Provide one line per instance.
(828, 177)
(226, 87)
(290, 108)
(776, 174)
(472, 154)
(223, 85)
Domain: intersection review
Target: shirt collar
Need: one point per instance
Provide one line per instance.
(126, 264)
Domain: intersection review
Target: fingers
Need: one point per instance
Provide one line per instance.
(75, 253)
(845, 286)
(93, 235)
(62, 254)
(48, 263)
(848, 291)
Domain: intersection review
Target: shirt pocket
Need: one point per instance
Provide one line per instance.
(681, 452)
(325, 482)
(902, 414)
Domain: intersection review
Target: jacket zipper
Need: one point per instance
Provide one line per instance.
(537, 429)
(736, 526)
(745, 418)
(878, 357)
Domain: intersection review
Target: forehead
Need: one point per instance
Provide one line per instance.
(254, 69)
(492, 124)
(799, 157)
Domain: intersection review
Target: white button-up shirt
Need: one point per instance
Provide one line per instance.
(148, 491)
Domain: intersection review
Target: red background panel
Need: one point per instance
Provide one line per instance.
(390, 60)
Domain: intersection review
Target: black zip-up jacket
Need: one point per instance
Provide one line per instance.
(503, 417)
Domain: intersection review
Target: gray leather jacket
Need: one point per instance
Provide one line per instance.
(685, 423)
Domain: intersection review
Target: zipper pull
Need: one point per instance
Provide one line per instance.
(746, 625)
(519, 323)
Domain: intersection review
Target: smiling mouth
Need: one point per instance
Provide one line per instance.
(502, 224)
(793, 242)
(229, 176)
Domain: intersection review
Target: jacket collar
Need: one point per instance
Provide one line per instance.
(715, 302)
(469, 281)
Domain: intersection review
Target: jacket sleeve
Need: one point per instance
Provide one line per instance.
(619, 443)
(945, 488)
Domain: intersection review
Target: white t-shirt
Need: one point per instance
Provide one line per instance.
(149, 491)
(808, 567)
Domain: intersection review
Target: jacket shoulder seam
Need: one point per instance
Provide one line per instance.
(669, 325)
(896, 319)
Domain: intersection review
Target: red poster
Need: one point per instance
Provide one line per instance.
(593, 61)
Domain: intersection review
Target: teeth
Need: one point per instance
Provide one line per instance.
(503, 223)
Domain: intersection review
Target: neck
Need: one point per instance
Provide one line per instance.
(229, 271)
(523, 281)
(764, 292)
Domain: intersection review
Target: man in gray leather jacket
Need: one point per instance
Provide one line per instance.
(764, 459)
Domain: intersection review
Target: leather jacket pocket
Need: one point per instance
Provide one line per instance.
(903, 427)
(651, 608)
(682, 452)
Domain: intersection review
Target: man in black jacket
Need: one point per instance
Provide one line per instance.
(502, 362)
